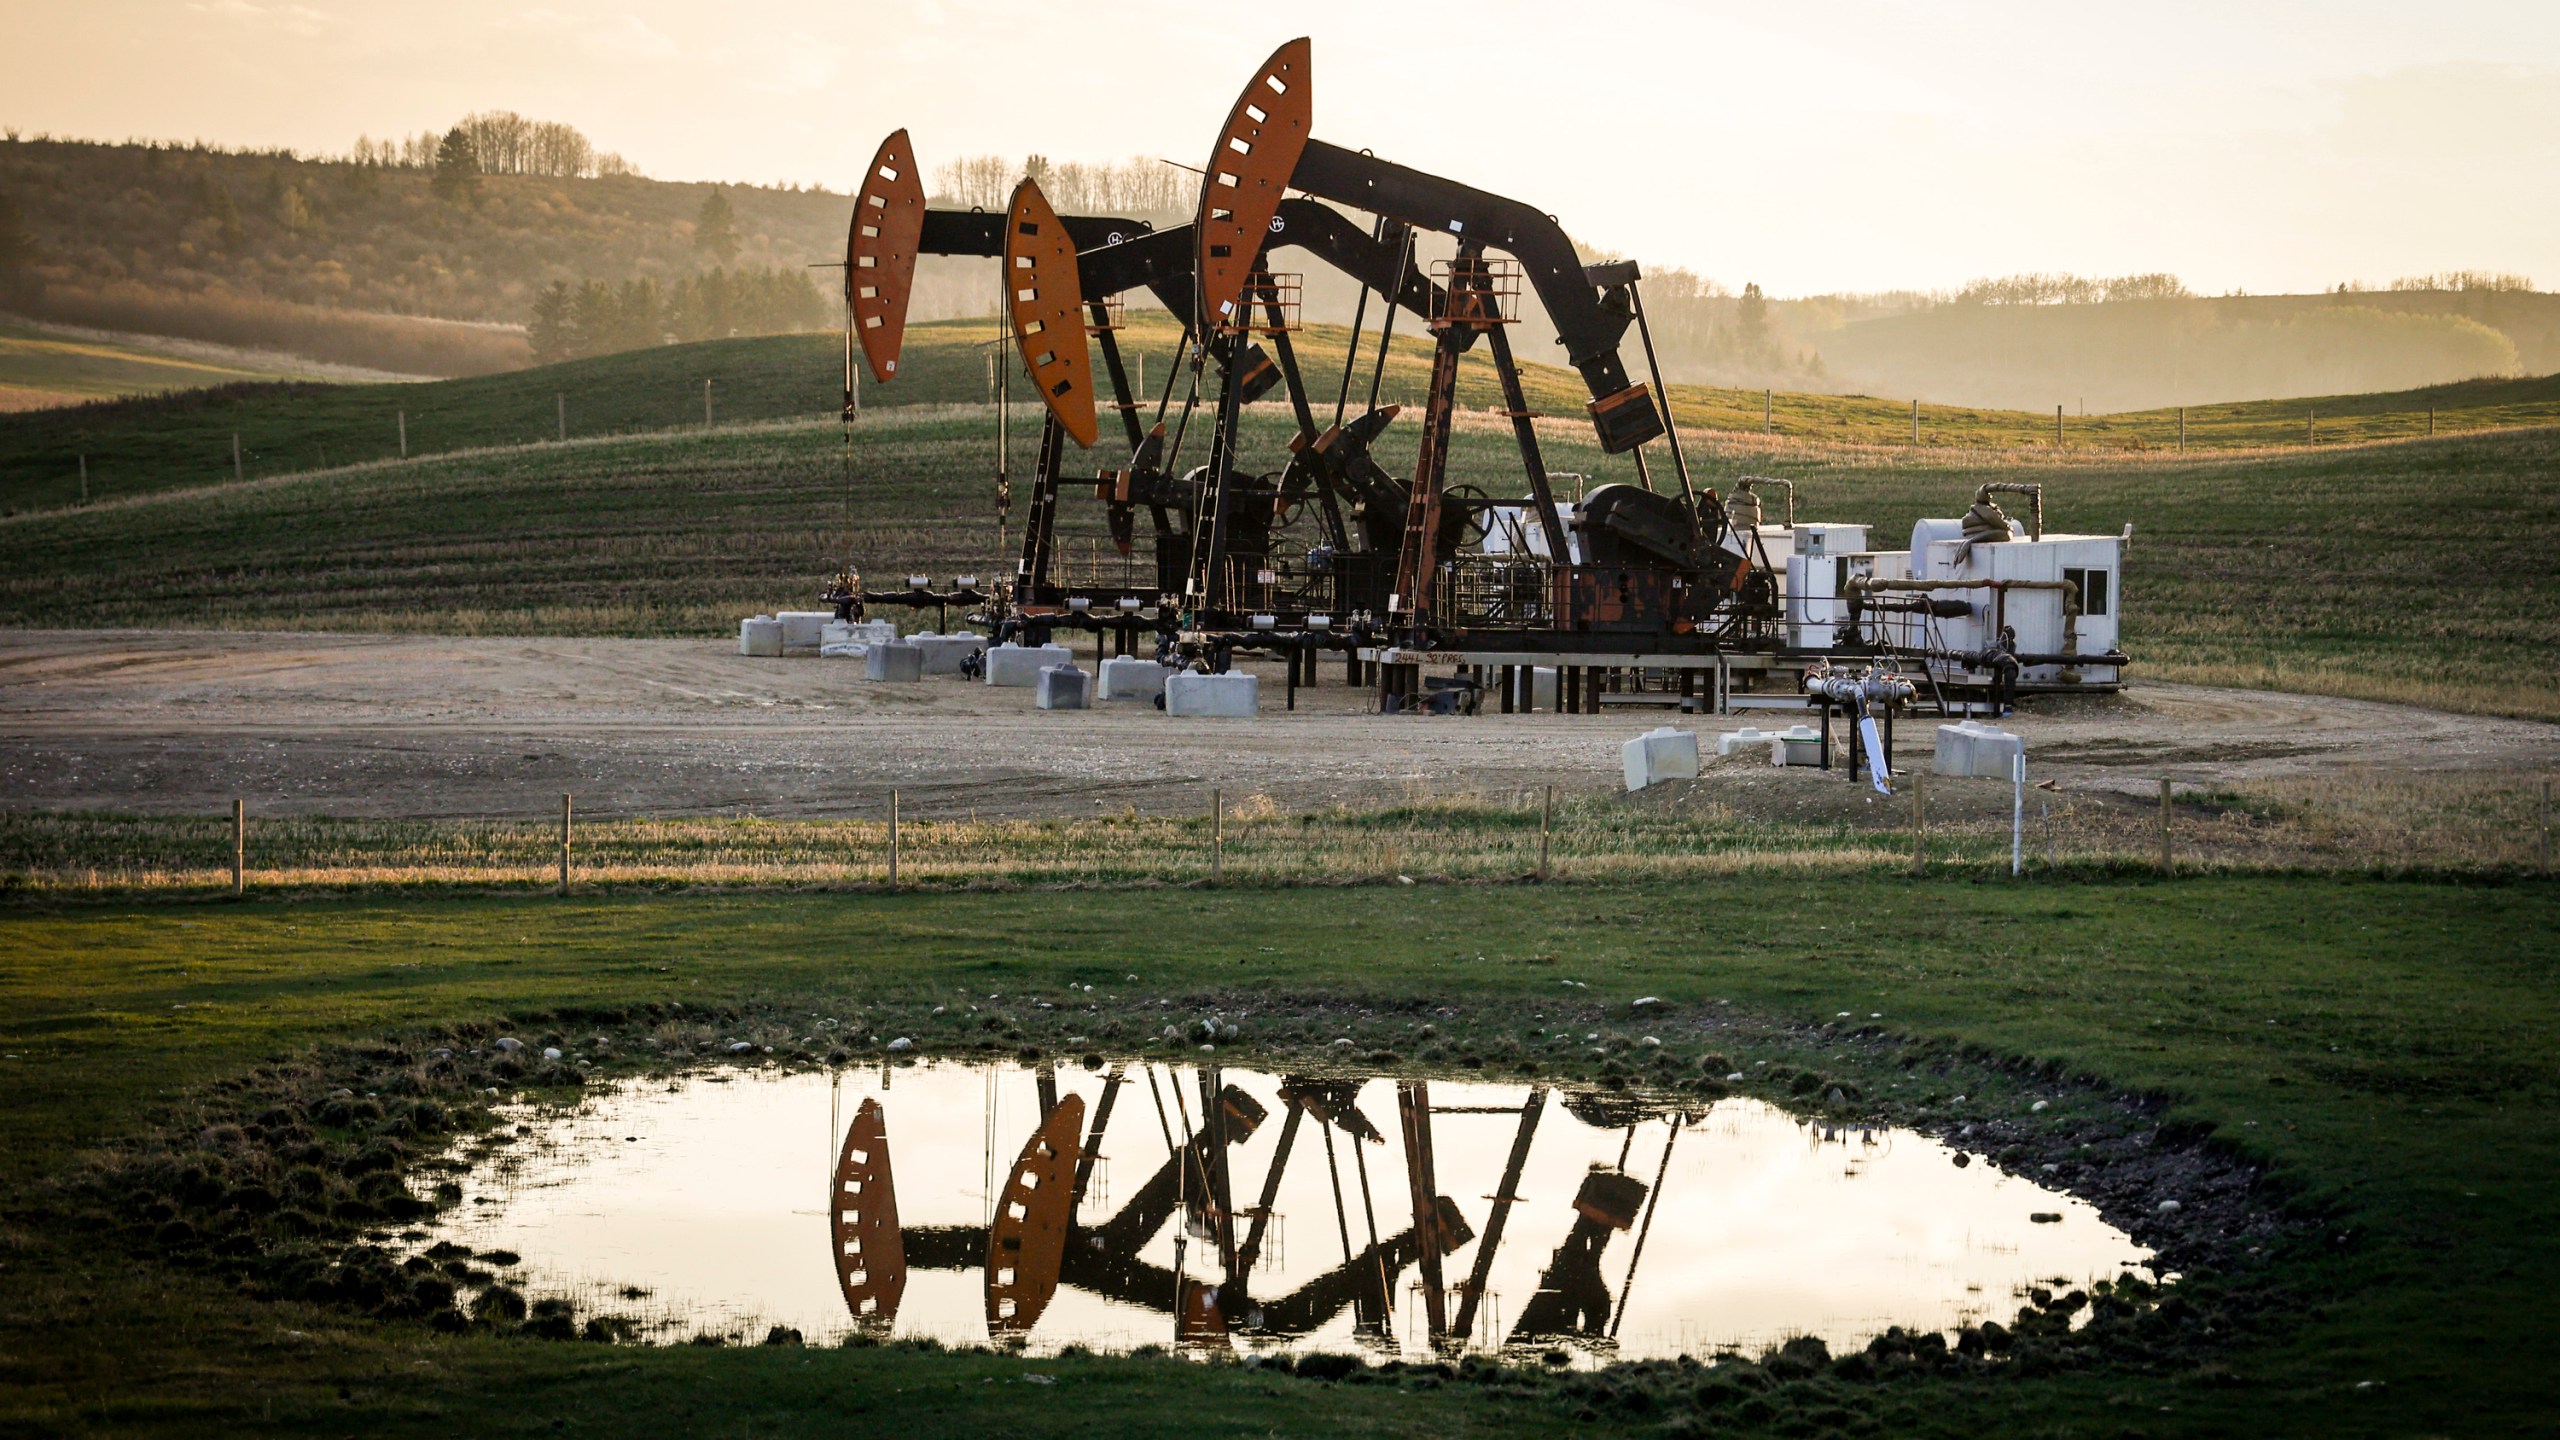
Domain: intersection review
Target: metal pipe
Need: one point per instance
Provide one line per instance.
(2035, 501)
(1866, 585)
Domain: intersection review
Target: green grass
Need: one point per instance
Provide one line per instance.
(2381, 1046)
(37, 365)
(144, 446)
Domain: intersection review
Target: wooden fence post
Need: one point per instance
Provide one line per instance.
(1768, 405)
(2168, 858)
(893, 839)
(84, 479)
(404, 434)
(1915, 422)
(1217, 836)
(2182, 428)
(2057, 424)
(239, 846)
(564, 842)
(706, 402)
(236, 472)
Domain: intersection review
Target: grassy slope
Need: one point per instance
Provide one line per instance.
(144, 446)
(36, 362)
(2380, 1044)
(2407, 571)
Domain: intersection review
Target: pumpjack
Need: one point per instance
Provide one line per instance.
(1332, 550)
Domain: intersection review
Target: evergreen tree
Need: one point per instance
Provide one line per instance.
(457, 177)
(550, 331)
(1751, 325)
(715, 228)
(17, 248)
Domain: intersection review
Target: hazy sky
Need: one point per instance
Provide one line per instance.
(1810, 147)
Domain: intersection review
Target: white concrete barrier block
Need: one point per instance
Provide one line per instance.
(857, 632)
(1659, 755)
(1016, 666)
(760, 635)
(803, 629)
(1191, 695)
(1749, 737)
(893, 662)
(1133, 677)
(842, 650)
(1063, 687)
(943, 653)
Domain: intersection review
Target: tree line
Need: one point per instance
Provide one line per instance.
(1137, 186)
(596, 317)
(496, 142)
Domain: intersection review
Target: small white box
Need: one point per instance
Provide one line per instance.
(1018, 666)
(1796, 745)
(760, 635)
(1659, 755)
(1971, 748)
(1234, 695)
(893, 662)
(1749, 737)
(1063, 687)
(1133, 677)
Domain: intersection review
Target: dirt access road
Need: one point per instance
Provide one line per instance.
(432, 726)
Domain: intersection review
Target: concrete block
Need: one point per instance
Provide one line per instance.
(857, 632)
(1796, 745)
(1063, 687)
(894, 662)
(943, 653)
(760, 635)
(842, 650)
(1133, 677)
(1192, 695)
(1749, 737)
(1974, 749)
(1658, 755)
(1015, 666)
(803, 629)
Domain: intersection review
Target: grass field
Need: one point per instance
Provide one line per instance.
(146, 445)
(2408, 571)
(2380, 1046)
(2472, 825)
(43, 369)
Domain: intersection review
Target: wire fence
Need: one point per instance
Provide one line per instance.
(2467, 825)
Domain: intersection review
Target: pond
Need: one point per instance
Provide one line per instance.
(1209, 1210)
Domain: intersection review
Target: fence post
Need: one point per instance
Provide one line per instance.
(1919, 822)
(893, 839)
(236, 472)
(2168, 859)
(404, 434)
(1217, 837)
(2057, 424)
(706, 402)
(1546, 823)
(2431, 419)
(1768, 404)
(84, 479)
(2311, 426)
(1915, 422)
(239, 846)
(561, 399)
(2182, 427)
(564, 842)
(2017, 815)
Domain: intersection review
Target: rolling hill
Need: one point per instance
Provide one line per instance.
(2409, 570)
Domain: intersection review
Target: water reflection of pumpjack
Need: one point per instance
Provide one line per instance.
(1572, 1304)
(1193, 1183)
(1037, 1242)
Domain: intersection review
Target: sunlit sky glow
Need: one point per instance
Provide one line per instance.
(1867, 145)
